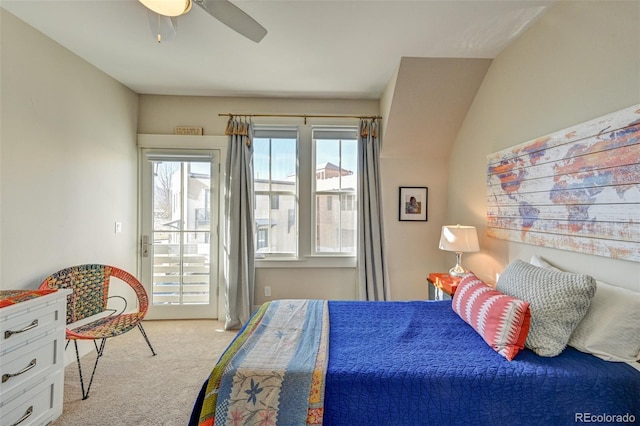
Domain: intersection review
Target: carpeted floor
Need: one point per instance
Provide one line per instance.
(132, 387)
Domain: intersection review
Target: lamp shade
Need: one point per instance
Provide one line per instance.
(168, 7)
(459, 238)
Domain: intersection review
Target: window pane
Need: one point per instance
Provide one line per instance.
(167, 257)
(275, 185)
(349, 164)
(336, 227)
(283, 160)
(327, 165)
(195, 268)
(261, 160)
(336, 177)
(181, 232)
(336, 164)
(197, 202)
(282, 235)
(167, 196)
(348, 221)
(276, 228)
(261, 217)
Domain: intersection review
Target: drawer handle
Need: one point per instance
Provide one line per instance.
(25, 416)
(7, 376)
(10, 333)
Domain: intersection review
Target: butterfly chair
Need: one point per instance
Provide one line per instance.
(90, 285)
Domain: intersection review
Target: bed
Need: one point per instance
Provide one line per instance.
(408, 363)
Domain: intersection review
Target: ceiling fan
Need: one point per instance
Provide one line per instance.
(223, 10)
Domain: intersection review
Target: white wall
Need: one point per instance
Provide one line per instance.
(579, 61)
(67, 160)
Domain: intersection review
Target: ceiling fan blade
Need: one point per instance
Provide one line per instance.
(164, 28)
(233, 17)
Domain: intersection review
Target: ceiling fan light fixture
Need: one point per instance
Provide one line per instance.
(168, 7)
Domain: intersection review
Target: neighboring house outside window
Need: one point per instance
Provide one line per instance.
(334, 188)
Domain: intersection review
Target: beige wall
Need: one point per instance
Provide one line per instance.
(579, 62)
(67, 160)
(424, 109)
(287, 279)
(161, 114)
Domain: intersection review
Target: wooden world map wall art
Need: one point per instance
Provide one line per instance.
(577, 189)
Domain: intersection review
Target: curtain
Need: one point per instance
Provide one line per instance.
(238, 231)
(372, 269)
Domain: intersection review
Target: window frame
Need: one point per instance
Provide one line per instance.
(278, 132)
(305, 221)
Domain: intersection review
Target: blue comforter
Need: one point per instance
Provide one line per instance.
(418, 363)
(415, 363)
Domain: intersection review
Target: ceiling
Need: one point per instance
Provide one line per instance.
(314, 48)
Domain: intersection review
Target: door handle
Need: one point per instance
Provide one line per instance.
(145, 246)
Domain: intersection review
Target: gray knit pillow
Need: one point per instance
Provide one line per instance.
(558, 302)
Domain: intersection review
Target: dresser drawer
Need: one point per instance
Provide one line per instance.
(36, 406)
(29, 362)
(27, 326)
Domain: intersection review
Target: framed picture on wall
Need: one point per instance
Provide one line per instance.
(413, 203)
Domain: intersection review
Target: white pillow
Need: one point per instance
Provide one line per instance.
(611, 328)
(541, 263)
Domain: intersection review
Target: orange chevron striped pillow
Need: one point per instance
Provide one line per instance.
(502, 321)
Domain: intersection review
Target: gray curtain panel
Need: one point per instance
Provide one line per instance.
(239, 222)
(373, 281)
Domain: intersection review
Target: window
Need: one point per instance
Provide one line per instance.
(334, 190)
(275, 202)
(305, 181)
(263, 239)
(275, 180)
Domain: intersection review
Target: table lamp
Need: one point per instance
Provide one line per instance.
(459, 239)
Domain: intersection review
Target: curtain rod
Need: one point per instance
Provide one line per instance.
(305, 116)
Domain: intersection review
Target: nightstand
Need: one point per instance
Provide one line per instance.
(442, 286)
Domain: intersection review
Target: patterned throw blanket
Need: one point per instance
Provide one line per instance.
(273, 373)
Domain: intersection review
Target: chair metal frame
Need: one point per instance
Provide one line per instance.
(90, 296)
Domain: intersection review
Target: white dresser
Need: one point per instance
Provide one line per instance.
(32, 338)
